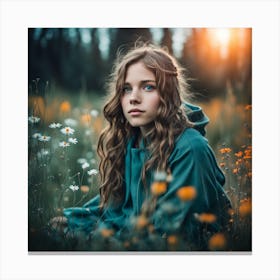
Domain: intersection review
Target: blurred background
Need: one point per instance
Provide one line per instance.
(75, 59)
(67, 73)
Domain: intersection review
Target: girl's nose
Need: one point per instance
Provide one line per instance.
(135, 96)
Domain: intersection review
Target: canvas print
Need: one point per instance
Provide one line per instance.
(140, 139)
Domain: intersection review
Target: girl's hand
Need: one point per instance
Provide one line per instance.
(58, 224)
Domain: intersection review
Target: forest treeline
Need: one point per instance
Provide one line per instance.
(63, 58)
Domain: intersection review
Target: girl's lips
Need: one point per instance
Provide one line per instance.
(135, 112)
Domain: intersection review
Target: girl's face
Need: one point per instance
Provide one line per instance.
(140, 97)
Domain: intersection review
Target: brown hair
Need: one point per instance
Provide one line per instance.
(160, 139)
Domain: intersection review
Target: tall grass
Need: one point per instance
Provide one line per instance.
(62, 168)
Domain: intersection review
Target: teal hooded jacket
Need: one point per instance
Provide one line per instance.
(192, 163)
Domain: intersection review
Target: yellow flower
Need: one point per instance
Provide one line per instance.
(158, 188)
(217, 242)
(187, 193)
(65, 107)
(208, 218)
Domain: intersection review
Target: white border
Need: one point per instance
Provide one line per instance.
(17, 16)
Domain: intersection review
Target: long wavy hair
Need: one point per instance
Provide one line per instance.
(171, 119)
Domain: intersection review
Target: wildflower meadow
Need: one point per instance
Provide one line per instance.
(63, 172)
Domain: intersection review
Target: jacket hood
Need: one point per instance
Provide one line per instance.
(197, 117)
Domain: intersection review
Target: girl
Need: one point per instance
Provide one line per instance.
(155, 162)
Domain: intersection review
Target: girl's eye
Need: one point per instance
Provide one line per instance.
(126, 89)
(149, 87)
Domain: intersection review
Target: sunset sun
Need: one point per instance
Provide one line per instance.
(220, 38)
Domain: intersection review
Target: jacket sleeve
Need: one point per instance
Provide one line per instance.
(85, 217)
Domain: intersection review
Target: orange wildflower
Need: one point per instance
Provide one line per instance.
(248, 107)
(217, 242)
(231, 212)
(37, 103)
(106, 232)
(142, 222)
(98, 124)
(239, 154)
(225, 150)
(65, 107)
(248, 154)
(84, 188)
(245, 207)
(238, 161)
(85, 119)
(208, 218)
(151, 228)
(187, 193)
(158, 188)
(235, 171)
(172, 240)
(222, 164)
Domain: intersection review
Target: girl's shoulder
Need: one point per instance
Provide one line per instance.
(190, 141)
(191, 137)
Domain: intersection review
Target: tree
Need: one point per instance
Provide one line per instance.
(125, 38)
(166, 40)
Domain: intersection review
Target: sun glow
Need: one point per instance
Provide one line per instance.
(220, 38)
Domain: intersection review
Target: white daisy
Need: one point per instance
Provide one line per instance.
(67, 130)
(64, 144)
(88, 132)
(33, 119)
(160, 176)
(92, 172)
(70, 122)
(44, 138)
(73, 140)
(85, 165)
(36, 135)
(43, 153)
(55, 125)
(81, 160)
(74, 188)
(94, 113)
